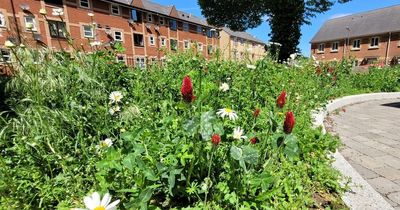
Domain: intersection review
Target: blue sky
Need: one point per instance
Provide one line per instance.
(308, 31)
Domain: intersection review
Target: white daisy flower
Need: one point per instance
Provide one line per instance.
(43, 11)
(227, 112)
(224, 87)
(57, 12)
(105, 143)
(93, 202)
(116, 96)
(238, 134)
(252, 67)
(9, 44)
(114, 110)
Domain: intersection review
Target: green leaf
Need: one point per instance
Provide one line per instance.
(236, 153)
(129, 161)
(206, 125)
(291, 147)
(250, 154)
(145, 195)
(191, 127)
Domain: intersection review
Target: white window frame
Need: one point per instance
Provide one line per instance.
(2, 20)
(91, 31)
(113, 7)
(336, 49)
(7, 58)
(161, 20)
(121, 36)
(321, 46)
(359, 44)
(149, 17)
(185, 26)
(152, 40)
(140, 62)
(163, 41)
(200, 47)
(86, 1)
(34, 28)
(186, 44)
(377, 44)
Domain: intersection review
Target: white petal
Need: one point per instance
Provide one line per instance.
(112, 205)
(106, 200)
(96, 198)
(89, 202)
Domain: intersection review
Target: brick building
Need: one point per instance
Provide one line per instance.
(146, 29)
(370, 38)
(237, 45)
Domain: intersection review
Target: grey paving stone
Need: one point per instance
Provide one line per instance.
(383, 185)
(388, 173)
(395, 197)
(390, 201)
(390, 161)
(364, 172)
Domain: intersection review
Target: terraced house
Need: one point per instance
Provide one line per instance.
(146, 29)
(371, 38)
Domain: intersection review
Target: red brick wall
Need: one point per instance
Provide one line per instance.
(76, 16)
(383, 52)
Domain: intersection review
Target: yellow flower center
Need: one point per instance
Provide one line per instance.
(228, 110)
(103, 144)
(100, 208)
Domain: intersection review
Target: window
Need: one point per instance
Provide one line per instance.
(185, 26)
(174, 44)
(235, 43)
(357, 44)
(210, 50)
(152, 41)
(121, 59)
(149, 17)
(30, 23)
(84, 3)
(186, 44)
(210, 33)
(321, 48)
(241, 41)
(200, 47)
(162, 21)
(172, 25)
(163, 42)
(118, 36)
(335, 46)
(2, 20)
(114, 9)
(138, 40)
(153, 60)
(136, 15)
(57, 29)
(374, 42)
(140, 62)
(59, 2)
(199, 29)
(5, 55)
(88, 31)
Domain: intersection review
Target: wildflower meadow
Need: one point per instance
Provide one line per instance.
(83, 131)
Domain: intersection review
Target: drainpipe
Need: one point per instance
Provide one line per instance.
(387, 48)
(16, 21)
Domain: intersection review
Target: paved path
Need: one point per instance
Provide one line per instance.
(370, 133)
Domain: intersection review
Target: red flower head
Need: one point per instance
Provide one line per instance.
(187, 90)
(289, 123)
(331, 69)
(280, 102)
(253, 140)
(334, 78)
(256, 112)
(215, 139)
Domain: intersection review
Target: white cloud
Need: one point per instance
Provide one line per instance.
(339, 15)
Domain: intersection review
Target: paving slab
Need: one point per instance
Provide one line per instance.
(370, 134)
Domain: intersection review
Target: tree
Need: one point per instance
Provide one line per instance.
(284, 16)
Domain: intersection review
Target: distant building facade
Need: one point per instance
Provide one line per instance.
(141, 26)
(371, 38)
(235, 45)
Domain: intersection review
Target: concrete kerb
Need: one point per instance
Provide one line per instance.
(362, 196)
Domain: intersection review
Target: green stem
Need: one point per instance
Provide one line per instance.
(208, 175)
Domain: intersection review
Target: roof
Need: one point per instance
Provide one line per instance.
(242, 34)
(166, 10)
(373, 22)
